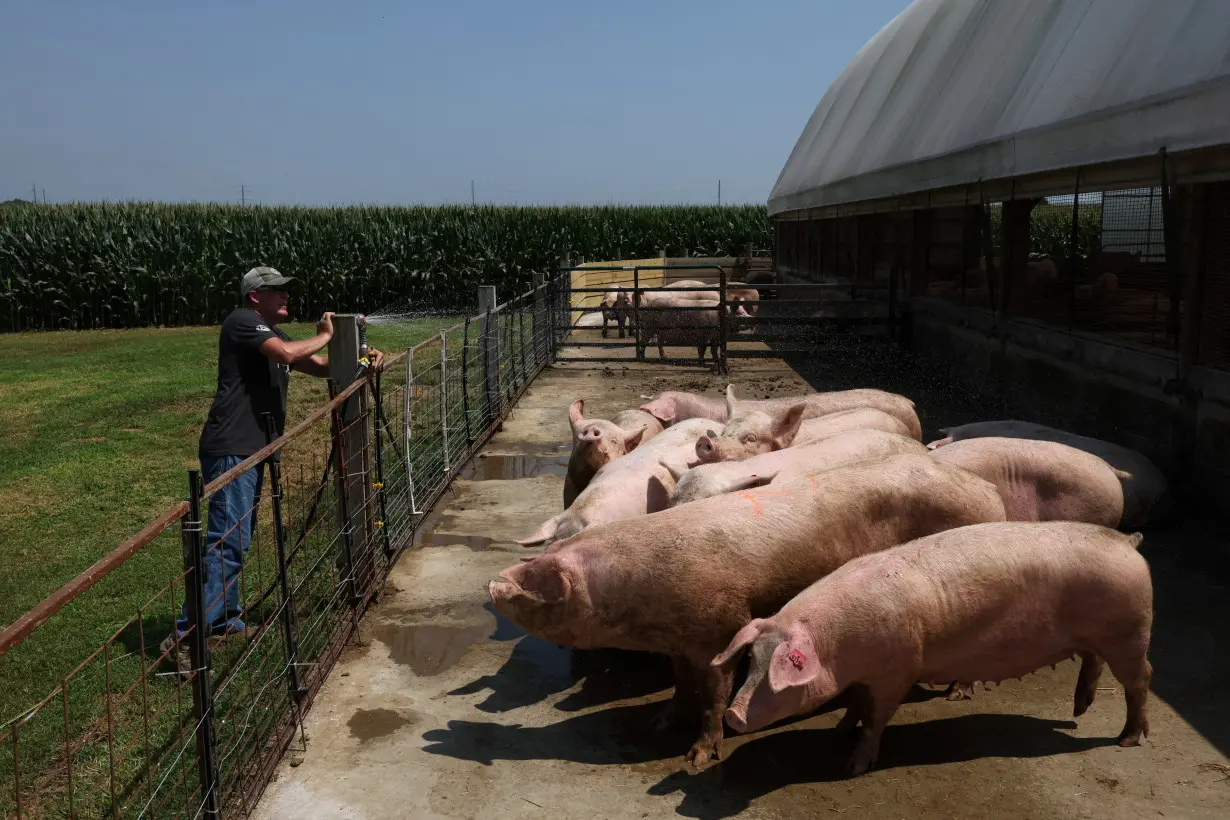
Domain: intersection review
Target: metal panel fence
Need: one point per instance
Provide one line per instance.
(127, 734)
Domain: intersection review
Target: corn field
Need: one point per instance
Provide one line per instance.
(142, 265)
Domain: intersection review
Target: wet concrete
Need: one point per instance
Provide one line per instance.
(444, 709)
(509, 466)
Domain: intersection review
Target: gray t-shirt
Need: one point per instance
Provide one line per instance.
(250, 384)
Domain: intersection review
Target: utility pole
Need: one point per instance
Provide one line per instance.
(44, 196)
(34, 192)
(719, 192)
(473, 201)
(242, 196)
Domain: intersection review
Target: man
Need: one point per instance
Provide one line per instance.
(254, 363)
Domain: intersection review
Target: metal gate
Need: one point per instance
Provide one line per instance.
(779, 319)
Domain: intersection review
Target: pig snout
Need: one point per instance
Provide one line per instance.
(736, 717)
(706, 448)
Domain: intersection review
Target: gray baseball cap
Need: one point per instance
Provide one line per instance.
(263, 277)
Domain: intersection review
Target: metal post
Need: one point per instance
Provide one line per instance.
(491, 362)
(343, 514)
(378, 484)
(525, 375)
(636, 313)
(198, 646)
(444, 396)
(297, 690)
(465, 380)
(540, 311)
(407, 402)
(723, 322)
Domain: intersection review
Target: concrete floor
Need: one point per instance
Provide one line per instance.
(445, 710)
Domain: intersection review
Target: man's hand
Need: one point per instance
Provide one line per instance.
(376, 359)
(325, 326)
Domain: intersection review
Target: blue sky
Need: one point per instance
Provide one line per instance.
(322, 103)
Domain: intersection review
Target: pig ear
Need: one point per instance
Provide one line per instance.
(576, 413)
(544, 533)
(657, 497)
(660, 410)
(939, 442)
(675, 472)
(786, 426)
(730, 400)
(747, 482)
(632, 440)
(744, 638)
(794, 663)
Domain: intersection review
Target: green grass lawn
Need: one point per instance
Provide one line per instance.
(99, 431)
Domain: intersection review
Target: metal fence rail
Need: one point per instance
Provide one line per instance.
(123, 734)
(747, 320)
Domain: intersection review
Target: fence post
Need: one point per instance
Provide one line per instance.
(407, 404)
(378, 484)
(347, 442)
(491, 361)
(444, 397)
(198, 646)
(297, 690)
(465, 380)
(636, 312)
(723, 322)
(541, 353)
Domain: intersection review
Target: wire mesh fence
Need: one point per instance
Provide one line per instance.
(185, 708)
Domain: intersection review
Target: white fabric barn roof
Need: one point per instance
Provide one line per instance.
(954, 91)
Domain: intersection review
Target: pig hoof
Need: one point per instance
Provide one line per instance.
(959, 691)
(702, 752)
(859, 763)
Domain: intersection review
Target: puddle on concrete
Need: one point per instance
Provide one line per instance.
(369, 724)
(428, 534)
(508, 467)
(429, 649)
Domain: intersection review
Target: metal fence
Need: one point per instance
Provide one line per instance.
(123, 733)
(682, 307)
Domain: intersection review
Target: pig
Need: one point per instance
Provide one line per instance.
(829, 452)
(984, 602)
(1146, 493)
(671, 406)
(755, 433)
(683, 581)
(687, 326)
(1043, 480)
(613, 310)
(598, 442)
(622, 488)
(617, 303)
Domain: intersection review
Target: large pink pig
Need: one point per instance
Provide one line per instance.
(672, 406)
(598, 442)
(683, 581)
(623, 488)
(755, 432)
(827, 453)
(1042, 480)
(1146, 493)
(984, 602)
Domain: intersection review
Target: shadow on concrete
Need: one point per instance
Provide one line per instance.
(1189, 557)
(765, 764)
(538, 669)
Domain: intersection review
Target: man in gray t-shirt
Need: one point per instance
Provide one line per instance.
(255, 358)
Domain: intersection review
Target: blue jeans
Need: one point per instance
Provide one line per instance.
(228, 534)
